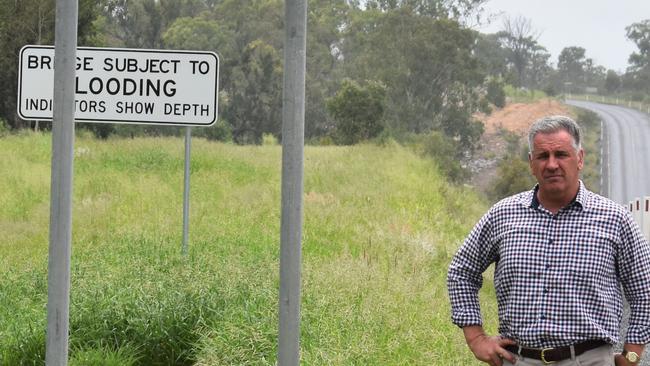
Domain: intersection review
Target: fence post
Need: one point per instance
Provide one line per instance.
(645, 220)
(637, 213)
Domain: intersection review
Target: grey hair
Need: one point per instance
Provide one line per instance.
(553, 124)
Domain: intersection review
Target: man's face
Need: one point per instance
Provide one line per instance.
(555, 163)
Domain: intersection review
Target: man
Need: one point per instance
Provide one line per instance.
(561, 254)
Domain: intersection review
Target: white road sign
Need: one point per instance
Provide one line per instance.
(125, 85)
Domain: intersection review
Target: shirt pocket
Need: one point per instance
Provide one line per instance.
(591, 256)
(591, 264)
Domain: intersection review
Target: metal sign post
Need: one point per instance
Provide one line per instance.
(186, 191)
(293, 127)
(58, 284)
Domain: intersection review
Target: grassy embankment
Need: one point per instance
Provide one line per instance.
(380, 227)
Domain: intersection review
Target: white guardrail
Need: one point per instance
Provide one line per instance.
(640, 209)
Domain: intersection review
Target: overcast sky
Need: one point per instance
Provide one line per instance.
(596, 25)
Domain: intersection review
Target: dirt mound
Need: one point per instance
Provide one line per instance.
(517, 117)
(514, 117)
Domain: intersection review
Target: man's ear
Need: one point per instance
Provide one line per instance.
(581, 159)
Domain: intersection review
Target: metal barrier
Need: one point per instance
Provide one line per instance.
(640, 209)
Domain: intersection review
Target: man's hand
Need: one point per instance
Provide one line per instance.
(620, 360)
(490, 349)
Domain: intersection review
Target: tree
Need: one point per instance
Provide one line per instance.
(612, 82)
(325, 22)
(639, 33)
(421, 61)
(358, 111)
(461, 10)
(254, 97)
(513, 177)
(491, 56)
(539, 69)
(32, 22)
(571, 65)
(197, 34)
(639, 69)
(520, 39)
(495, 93)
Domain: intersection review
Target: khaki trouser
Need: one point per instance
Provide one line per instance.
(601, 356)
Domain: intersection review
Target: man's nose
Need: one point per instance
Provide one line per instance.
(552, 163)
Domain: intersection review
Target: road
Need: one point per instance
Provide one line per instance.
(626, 158)
(626, 150)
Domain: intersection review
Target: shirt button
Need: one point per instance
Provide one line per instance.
(550, 241)
(543, 317)
(546, 290)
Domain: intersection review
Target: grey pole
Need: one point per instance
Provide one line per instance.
(186, 191)
(58, 285)
(293, 127)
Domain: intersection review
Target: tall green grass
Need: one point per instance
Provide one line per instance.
(380, 227)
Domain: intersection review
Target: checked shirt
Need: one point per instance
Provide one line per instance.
(559, 279)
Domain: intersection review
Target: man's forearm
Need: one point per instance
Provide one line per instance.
(472, 332)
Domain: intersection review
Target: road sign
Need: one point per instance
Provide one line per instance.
(125, 85)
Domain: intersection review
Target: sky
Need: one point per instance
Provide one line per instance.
(598, 26)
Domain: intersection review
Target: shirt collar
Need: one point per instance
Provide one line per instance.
(580, 200)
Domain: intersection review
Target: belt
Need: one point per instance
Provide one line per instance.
(551, 355)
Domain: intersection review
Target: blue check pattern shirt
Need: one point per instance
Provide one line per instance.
(559, 279)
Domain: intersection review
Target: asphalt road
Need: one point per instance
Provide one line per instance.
(626, 151)
(626, 158)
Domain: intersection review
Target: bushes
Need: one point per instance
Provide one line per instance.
(358, 111)
(513, 174)
(4, 128)
(513, 177)
(444, 152)
(495, 93)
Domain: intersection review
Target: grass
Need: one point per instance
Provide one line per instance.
(380, 228)
(522, 95)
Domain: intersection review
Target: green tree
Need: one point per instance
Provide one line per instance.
(491, 56)
(639, 33)
(519, 38)
(572, 64)
(255, 93)
(32, 22)
(639, 69)
(197, 33)
(425, 64)
(495, 93)
(539, 68)
(326, 19)
(612, 82)
(358, 111)
(513, 177)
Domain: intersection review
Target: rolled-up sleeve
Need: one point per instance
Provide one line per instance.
(465, 274)
(634, 266)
